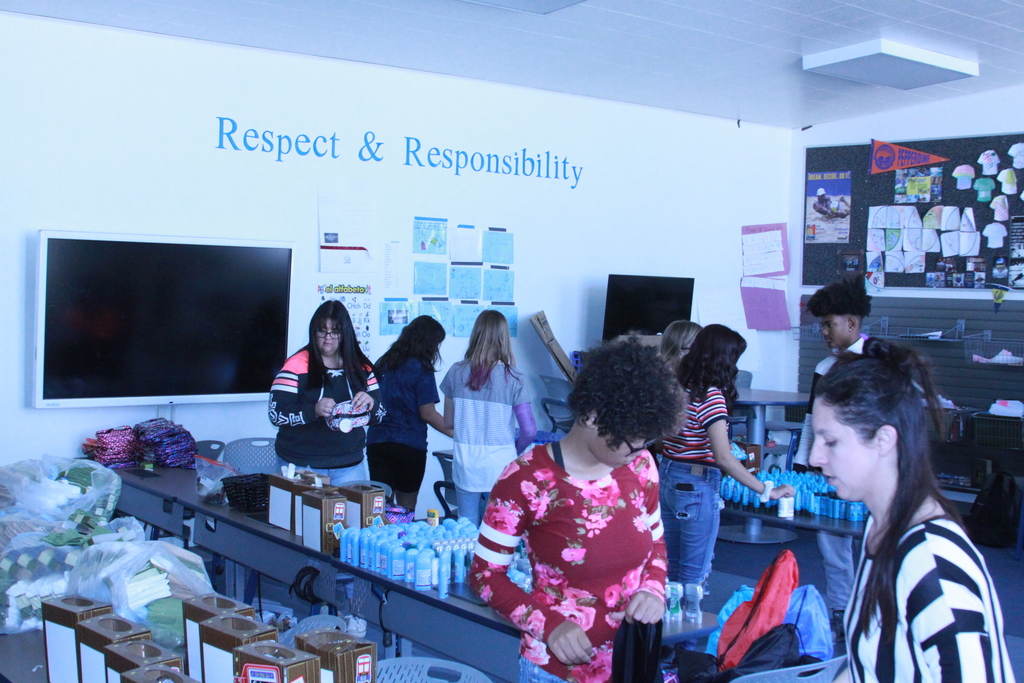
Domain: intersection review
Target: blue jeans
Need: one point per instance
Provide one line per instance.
(471, 504)
(689, 512)
(338, 475)
(837, 557)
(531, 673)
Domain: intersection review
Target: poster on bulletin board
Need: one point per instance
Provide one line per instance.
(930, 213)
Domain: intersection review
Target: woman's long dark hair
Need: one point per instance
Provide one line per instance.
(421, 339)
(885, 385)
(354, 362)
(711, 362)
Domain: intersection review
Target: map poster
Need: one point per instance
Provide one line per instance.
(827, 207)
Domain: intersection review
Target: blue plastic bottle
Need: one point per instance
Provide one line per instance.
(444, 575)
(460, 564)
(365, 538)
(410, 564)
(424, 567)
(396, 561)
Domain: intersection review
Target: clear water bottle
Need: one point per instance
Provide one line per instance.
(694, 592)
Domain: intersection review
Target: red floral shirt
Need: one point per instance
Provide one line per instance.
(592, 544)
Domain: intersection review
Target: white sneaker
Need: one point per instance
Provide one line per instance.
(355, 626)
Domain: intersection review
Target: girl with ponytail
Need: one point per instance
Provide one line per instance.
(924, 607)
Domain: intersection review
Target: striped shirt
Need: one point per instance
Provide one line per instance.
(950, 624)
(691, 443)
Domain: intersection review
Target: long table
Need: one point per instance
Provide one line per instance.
(800, 520)
(461, 627)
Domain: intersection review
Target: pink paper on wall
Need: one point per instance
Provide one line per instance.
(765, 307)
(765, 250)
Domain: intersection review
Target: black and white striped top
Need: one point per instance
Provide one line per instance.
(950, 624)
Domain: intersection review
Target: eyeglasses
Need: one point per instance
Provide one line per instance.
(328, 333)
(646, 445)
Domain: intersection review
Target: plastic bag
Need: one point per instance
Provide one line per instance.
(144, 581)
(17, 523)
(210, 476)
(53, 488)
(33, 569)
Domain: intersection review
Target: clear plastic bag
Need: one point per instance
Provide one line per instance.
(209, 480)
(33, 570)
(53, 488)
(144, 581)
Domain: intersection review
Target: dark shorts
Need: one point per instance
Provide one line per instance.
(397, 465)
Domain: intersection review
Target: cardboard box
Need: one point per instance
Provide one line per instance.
(364, 504)
(343, 658)
(540, 323)
(275, 662)
(220, 636)
(132, 654)
(323, 518)
(156, 674)
(93, 635)
(199, 609)
(753, 451)
(60, 617)
(285, 506)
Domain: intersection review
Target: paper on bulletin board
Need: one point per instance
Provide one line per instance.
(394, 315)
(429, 235)
(429, 278)
(396, 270)
(345, 232)
(498, 246)
(465, 244)
(765, 251)
(764, 303)
(511, 314)
(441, 311)
(719, 302)
(464, 317)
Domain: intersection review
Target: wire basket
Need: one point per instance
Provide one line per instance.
(997, 431)
(996, 352)
(248, 492)
(956, 425)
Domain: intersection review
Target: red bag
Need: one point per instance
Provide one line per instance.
(765, 611)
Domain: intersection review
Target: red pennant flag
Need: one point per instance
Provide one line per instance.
(886, 156)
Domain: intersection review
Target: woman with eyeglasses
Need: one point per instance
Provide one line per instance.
(587, 507)
(329, 372)
(694, 460)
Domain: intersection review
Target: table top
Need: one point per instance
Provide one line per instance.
(770, 397)
(800, 520)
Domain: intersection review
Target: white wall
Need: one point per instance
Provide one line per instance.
(995, 112)
(114, 131)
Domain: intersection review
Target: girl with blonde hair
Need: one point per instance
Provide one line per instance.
(676, 341)
(484, 399)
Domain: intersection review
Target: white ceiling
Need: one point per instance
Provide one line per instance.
(729, 58)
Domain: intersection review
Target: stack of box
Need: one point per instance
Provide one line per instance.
(364, 505)
(93, 635)
(199, 609)
(275, 662)
(323, 518)
(60, 617)
(220, 635)
(343, 658)
(132, 654)
(285, 507)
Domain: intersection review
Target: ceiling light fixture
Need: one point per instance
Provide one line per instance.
(884, 62)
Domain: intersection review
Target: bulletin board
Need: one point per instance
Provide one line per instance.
(955, 224)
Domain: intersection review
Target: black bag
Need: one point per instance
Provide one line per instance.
(996, 512)
(779, 648)
(636, 656)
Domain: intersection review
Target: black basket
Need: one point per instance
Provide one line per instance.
(997, 431)
(248, 492)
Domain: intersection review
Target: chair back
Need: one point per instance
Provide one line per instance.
(450, 502)
(559, 413)
(211, 450)
(254, 455)
(426, 670)
(822, 672)
(744, 379)
(369, 482)
(556, 387)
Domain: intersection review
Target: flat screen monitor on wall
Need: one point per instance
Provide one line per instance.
(645, 304)
(145, 320)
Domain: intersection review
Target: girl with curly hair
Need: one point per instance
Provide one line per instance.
(587, 507)
(694, 460)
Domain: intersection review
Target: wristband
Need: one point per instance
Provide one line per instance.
(767, 493)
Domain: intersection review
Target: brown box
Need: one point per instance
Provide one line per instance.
(540, 324)
(343, 658)
(322, 511)
(276, 662)
(753, 451)
(364, 505)
(285, 506)
(199, 609)
(220, 635)
(132, 654)
(60, 616)
(156, 674)
(92, 635)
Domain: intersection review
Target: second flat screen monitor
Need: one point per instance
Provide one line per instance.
(645, 303)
